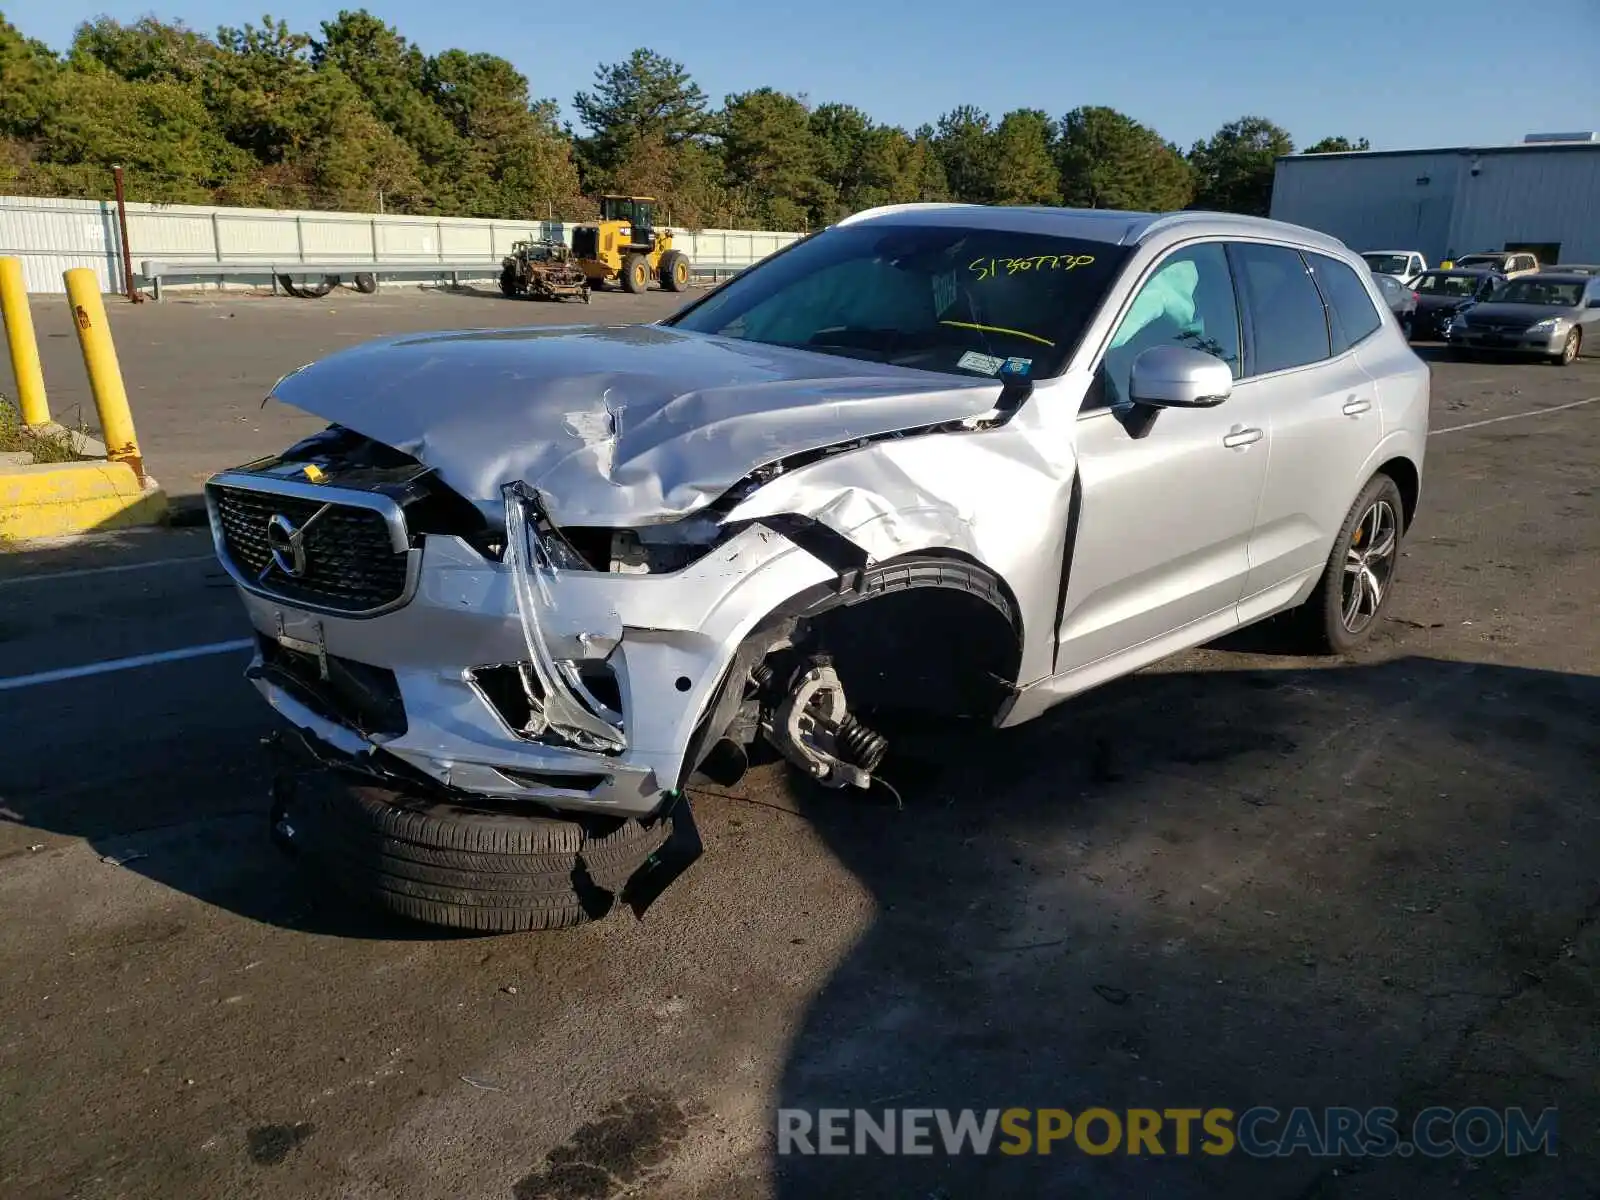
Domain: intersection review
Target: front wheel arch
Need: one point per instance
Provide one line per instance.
(926, 631)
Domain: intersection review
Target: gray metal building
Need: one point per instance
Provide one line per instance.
(1542, 195)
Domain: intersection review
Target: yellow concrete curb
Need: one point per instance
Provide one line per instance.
(53, 499)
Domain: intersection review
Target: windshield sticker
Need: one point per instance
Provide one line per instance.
(1017, 366)
(989, 268)
(944, 292)
(986, 364)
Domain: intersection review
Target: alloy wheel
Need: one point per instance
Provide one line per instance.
(1369, 563)
(1569, 348)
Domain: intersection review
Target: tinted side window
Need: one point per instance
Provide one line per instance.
(1351, 314)
(1188, 301)
(1286, 312)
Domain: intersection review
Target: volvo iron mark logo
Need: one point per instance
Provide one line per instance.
(287, 545)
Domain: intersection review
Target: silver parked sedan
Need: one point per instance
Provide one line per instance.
(937, 457)
(1551, 315)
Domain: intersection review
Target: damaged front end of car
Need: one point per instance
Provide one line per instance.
(579, 674)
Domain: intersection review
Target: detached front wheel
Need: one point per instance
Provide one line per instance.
(1343, 610)
(447, 862)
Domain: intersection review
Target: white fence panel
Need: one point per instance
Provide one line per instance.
(53, 235)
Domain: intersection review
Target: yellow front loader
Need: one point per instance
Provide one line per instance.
(627, 246)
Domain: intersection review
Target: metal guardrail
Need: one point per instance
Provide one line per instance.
(155, 271)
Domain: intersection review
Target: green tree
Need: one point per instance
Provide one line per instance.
(845, 137)
(1109, 160)
(393, 77)
(159, 130)
(148, 49)
(28, 76)
(1025, 160)
(968, 152)
(1337, 145)
(770, 152)
(512, 159)
(1234, 167)
(646, 96)
(686, 177)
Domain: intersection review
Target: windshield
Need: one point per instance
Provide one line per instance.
(1538, 291)
(939, 298)
(1447, 285)
(1388, 264)
(1481, 260)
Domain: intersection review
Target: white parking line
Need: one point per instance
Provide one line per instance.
(80, 572)
(124, 664)
(1538, 412)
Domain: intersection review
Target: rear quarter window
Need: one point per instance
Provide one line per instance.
(1352, 315)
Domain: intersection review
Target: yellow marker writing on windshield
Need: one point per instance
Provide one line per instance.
(988, 268)
(1032, 337)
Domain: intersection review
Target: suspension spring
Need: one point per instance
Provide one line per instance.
(860, 745)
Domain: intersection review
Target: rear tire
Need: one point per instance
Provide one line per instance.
(635, 274)
(463, 867)
(675, 271)
(1343, 609)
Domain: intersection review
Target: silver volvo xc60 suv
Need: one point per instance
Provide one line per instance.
(936, 457)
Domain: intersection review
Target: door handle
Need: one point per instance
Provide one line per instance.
(1242, 437)
(1356, 405)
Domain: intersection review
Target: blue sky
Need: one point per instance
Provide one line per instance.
(1402, 75)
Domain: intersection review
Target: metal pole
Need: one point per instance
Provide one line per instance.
(23, 343)
(105, 375)
(122, 229)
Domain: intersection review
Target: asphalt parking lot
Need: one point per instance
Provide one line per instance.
(1236, 879)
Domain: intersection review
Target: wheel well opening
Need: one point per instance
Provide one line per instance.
(932, 635)
(1404, 473)
(918, 637)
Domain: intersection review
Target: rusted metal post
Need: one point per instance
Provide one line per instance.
(131, 292)
(105, 375)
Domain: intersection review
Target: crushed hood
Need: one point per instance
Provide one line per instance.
(614, 425)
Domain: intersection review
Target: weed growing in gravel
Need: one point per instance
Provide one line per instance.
(46, 446)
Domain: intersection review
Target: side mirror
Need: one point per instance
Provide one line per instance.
(1177, 377)
(1595, 303)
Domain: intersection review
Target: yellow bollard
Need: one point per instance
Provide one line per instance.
(24, 345)
(105, 376)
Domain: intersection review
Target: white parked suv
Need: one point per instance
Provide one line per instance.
(949, 457)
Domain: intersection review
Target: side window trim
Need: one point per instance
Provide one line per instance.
(1330, 309)
(1247, 318)
(1330, 318)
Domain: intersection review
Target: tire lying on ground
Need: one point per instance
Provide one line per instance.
(468, 868)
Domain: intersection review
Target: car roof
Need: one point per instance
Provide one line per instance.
(1459, 271)
(1558, 277)
(1089, 224)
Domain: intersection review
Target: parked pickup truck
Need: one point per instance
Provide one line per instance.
(1403, 266)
